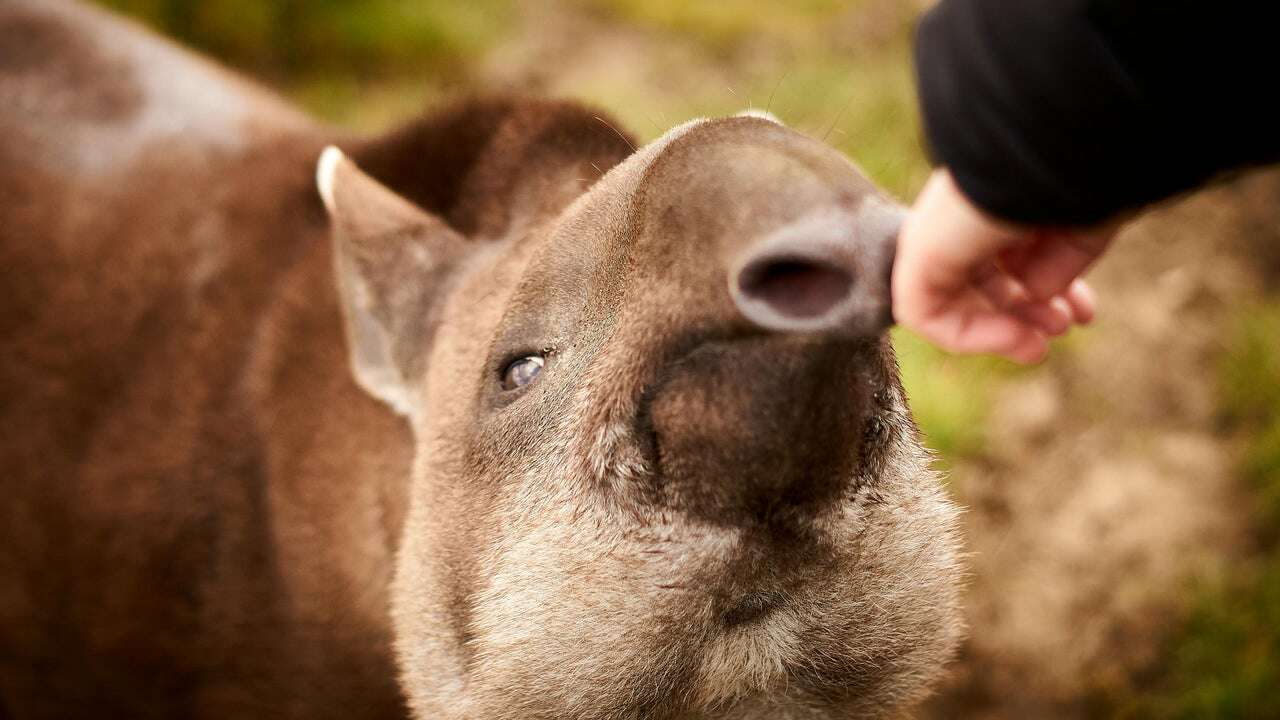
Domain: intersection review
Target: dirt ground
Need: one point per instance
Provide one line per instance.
(1107, 487)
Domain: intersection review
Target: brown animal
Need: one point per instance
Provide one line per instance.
(499, 436)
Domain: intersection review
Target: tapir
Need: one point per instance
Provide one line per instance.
(491, 417)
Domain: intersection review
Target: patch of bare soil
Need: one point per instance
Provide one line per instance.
(1107, 487)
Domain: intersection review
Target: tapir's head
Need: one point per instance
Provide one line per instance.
(664, 467)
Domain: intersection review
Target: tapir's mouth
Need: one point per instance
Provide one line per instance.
(759, 431)
(752, 607)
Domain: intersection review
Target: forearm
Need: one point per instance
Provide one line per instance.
(1066, 112)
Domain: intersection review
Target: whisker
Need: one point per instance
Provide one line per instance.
(769, 105)
(800, 122)
(649, 117)
(616, 132)
(839, 115)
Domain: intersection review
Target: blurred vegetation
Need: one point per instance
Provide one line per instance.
(723, 26)
(1225, 663)
(1251, 404)
(364, 63)
(838, 70)
(949, 395)
(290, 39)
(367, 63)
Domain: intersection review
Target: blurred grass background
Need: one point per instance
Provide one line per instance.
(1224, 663)
(839, 71)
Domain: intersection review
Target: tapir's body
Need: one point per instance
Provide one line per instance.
(165, 285)
(203, 508)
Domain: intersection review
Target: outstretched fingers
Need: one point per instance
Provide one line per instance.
(973, 284)
(1053, 317)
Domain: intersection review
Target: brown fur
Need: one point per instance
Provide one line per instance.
(206, 515)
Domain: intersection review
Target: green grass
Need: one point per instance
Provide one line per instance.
(1262, 468)
(950, 395)
(824, 67)
(1250, 374)
(866, 110)
(725, 25)
(839, 71)
(1250, 382)
(289, 39)
(1225, 662)
(366, 107)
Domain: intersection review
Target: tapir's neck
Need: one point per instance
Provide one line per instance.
(340, 460)
(95, 91)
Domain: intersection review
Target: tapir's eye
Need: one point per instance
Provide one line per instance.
(522, 371)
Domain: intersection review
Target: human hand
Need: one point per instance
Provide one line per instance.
(973, 284)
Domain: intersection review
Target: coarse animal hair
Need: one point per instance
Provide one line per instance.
(265, 457)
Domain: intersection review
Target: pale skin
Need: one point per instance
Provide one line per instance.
(972, 283)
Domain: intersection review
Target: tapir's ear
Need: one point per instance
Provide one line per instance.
(391, 259)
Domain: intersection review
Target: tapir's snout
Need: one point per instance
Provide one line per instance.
(765, 412)
(827, 272)
(799, 238)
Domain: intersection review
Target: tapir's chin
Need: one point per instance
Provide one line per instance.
(762, 432)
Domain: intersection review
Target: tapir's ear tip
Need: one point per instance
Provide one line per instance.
(326, 171)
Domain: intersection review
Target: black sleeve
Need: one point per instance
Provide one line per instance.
(1068, 111)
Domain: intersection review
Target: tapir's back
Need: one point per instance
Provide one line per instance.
(151, 207)
(120, 155)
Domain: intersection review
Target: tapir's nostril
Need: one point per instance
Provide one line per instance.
(793, 288)
(827, 272)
